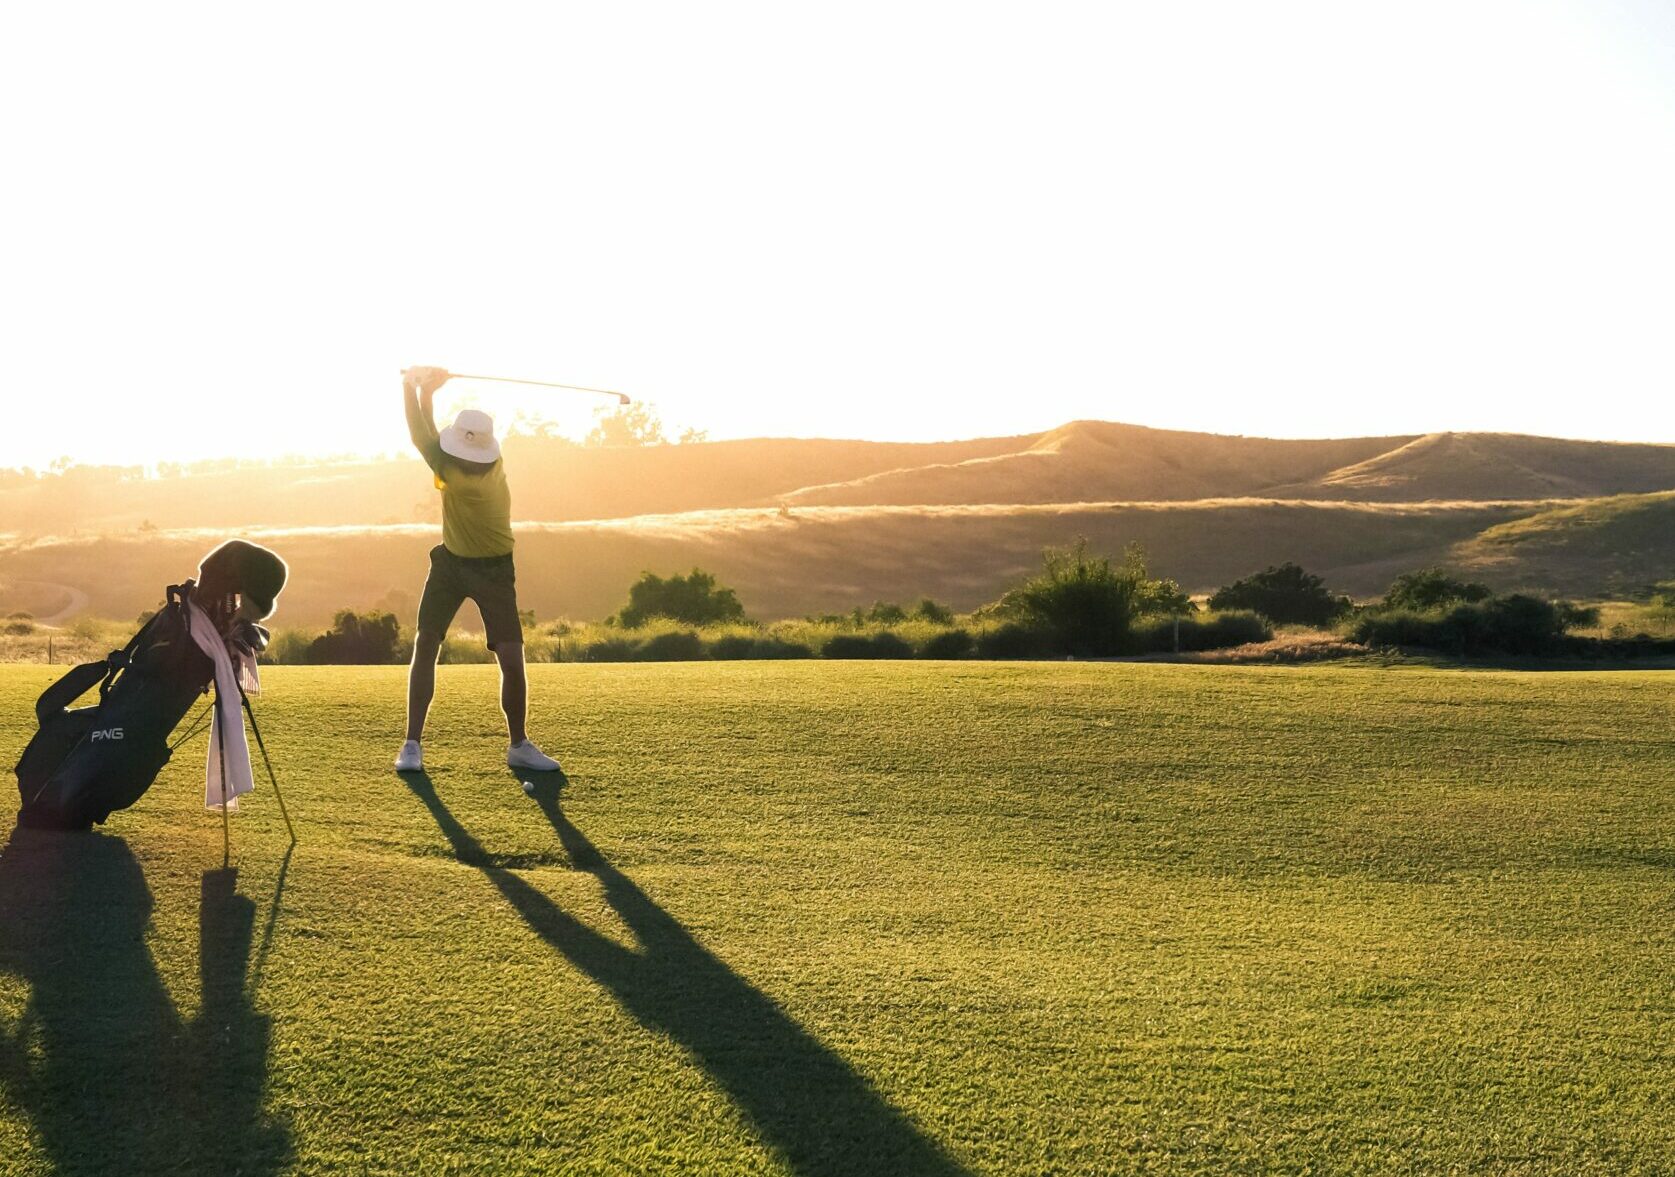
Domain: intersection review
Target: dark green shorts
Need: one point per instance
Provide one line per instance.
(492, 582)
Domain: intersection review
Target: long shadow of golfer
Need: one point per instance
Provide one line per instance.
(807, 1103)
(111, 1076)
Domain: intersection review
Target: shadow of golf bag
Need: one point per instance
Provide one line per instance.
(86, 762)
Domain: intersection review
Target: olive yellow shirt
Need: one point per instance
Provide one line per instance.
(476, 507)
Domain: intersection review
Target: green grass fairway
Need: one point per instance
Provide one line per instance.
(872, 918)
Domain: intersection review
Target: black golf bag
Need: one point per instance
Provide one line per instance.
(85, 762)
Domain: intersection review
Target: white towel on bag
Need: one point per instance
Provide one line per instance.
(227, 742)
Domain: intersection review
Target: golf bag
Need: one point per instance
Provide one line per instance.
(86, 762)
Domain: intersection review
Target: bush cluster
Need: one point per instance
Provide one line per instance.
(949, 645)
(1432, 588)
(739, 647)
(888, 613)
(1083, 604)
(1205, 631)
(1080, 604)
(694, 599)
(883, 644)
(1516, 624)
(1285, 595)
(358, 639)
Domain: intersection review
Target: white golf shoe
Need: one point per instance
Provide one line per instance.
(410, 758)
(527, 756)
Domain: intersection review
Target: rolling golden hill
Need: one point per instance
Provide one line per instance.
(552, 480)
(1101, 460)
(813, 526)
(812, 560)
(1608, 546)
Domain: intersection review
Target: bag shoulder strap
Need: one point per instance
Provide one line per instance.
(72, 686)
(80, 679)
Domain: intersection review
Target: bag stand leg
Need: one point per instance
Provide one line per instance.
(274, 780)
(221, 748)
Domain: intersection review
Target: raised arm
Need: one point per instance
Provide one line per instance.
(418, 390)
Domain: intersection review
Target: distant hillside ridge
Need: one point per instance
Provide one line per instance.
(809, 560)
(1081, 462)
(1617, 545)
(1089, 461)
(1499, 465)
(1094, 461)
(552, 479)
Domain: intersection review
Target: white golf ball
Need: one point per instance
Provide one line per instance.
(529, 787)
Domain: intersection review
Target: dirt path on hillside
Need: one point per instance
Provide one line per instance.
(77, 601)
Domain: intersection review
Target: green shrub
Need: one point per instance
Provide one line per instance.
(462, 649)
(1432, 588)
(1573, 616)
(1516, 624)
(18, 628)
(1155, 635)
(956, 643)
(91, 629)
(1013, 640)
(1162, 598)
(1401, 627)
(882, 644)
(610, 650)
(1207, 631)
(1661, 609)
(1084, 603)
(778, 648)
(929, 610)
(733, 648)
(1219, 631)
(540, 646)
(357, 639)
(694, 599)
(847, 645)
(885, 613)
(1285, 595)
(681, 645)
(888, 645)
(289, 647)
(1224, 630)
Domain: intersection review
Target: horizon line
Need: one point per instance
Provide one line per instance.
(401, 452)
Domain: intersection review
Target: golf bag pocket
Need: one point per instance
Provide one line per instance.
(59, 733)
(86, 762)
(82, 765)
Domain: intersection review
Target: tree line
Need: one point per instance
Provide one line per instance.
(1079, 604)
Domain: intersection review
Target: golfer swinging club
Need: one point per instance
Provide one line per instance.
(474, 560)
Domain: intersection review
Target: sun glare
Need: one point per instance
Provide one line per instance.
(1303, 219)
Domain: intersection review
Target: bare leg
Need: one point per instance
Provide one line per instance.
(514, 689)
(421, 682)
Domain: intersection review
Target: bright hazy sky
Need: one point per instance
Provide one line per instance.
(228, 226)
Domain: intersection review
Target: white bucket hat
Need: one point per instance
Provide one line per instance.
(471, 437)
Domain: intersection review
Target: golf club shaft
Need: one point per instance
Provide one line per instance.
(622, 397)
